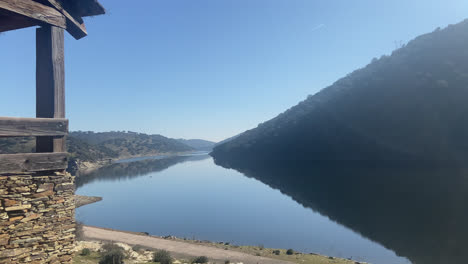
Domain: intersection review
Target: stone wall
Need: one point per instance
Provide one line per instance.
(37, 223)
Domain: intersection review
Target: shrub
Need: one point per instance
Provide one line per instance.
(276, 252)
(137, 248)
(201, 259)
(163, 257)
(111, 247)
(112, 254)
(289, 252)
(85, 252)
(227, 262)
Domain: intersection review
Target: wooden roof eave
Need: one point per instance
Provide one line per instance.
(31, 10)
(74, 25)
(11, 21)
(53, 12)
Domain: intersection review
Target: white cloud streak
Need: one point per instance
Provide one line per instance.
(318, 27)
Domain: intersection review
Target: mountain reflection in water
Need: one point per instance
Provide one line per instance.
(135, 167)
(417, 210)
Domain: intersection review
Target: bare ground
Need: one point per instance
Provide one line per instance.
(176, 247)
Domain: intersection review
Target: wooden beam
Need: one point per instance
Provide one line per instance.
(32, 162)
(50, 83)
(32, 127)
(75, 25)
(11, 21)
(35, 11)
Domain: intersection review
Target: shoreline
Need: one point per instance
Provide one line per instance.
(183, 248)
(215, 251)
(82, 200)
(88, 167)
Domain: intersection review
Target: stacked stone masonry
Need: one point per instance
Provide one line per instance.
(37, 221)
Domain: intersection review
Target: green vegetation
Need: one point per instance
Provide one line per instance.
(407, 106)
(85, 252)
(200, 260)
(300, 258)
(297, 257)
(131, 143)
(94, 147)
(112, 254)
(92, 258)
(17, 145)
(137, 248)
(289, 252)
(84, 151)
(163, 257)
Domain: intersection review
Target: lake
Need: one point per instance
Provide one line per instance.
(191, 197)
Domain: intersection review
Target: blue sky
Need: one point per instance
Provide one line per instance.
(212, 68)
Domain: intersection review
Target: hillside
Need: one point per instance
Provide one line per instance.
(410, 105)
(85, 151)
(198, 144)
(132, 143)
(91, 147)
(17, 145)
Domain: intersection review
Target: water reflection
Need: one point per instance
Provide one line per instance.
(136, 167)
(417, 210)
(201, 200)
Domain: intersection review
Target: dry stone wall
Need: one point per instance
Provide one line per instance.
(37, 221)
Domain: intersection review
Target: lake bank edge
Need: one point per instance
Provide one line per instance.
(88, 166)
(252, 251)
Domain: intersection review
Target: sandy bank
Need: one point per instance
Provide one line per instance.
(175, 247)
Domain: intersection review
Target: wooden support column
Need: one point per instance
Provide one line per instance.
(50, 83)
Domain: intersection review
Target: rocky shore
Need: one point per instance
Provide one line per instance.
(81, 200)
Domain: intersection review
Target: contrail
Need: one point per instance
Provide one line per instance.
(318, 27)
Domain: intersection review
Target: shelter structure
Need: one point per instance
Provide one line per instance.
(37, 222)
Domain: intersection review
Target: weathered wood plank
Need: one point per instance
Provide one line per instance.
(28, 127)
(32, 162)
(35, 11)
(12, 21)
(75, 25)
(50, 82)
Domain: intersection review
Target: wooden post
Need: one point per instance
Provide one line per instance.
(50, 83)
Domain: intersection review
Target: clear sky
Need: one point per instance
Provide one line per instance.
(211, 69)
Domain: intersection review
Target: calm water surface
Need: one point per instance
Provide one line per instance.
(192, 197)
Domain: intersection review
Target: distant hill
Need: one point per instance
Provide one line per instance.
(77, 148)
(84, 151)
(132, 143)
(198, 144)
(17, 145)
(410, 105)
(94, 147)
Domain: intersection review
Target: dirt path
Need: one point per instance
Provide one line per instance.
(176, 247)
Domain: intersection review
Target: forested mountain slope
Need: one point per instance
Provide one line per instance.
(410, 105)
(93, 147)
(132, 143)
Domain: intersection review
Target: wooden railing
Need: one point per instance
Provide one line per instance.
(33, 127)
(50, 127)
(55, 128)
